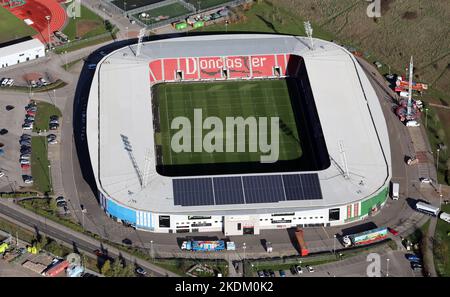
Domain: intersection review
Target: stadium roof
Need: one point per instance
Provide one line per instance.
(120, 115)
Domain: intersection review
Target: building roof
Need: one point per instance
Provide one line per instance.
(19, 46)
(348, 108)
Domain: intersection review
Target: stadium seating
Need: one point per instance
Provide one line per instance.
(231, 67)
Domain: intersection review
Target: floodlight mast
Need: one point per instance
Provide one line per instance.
(409, 108)
(139, 45)
(309, 32)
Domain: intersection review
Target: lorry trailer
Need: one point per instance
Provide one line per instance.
(366, 237)
(301, 242)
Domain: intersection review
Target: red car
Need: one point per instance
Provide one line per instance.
(393, 231)
(32, 113)
(25, 166)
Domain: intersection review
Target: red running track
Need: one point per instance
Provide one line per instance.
(37, 10)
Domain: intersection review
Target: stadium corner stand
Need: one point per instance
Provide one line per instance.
(36, 11)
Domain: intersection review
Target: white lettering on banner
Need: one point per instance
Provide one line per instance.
(192, 64)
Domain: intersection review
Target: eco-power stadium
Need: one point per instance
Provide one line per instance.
(334, 163)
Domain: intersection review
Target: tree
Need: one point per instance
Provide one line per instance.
(106, 268)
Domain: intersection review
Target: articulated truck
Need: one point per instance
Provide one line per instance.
(366, 237)
(207, 245)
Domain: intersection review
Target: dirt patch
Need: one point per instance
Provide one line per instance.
(84, 27)
(385, 5)
(409, 15)
(32, 76)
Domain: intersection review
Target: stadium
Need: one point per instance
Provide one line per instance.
(332, 167)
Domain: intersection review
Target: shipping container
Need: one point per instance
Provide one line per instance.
(301, 242)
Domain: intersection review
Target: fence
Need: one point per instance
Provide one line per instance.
(67, 46)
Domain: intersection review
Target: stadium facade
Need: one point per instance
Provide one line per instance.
(349, 183)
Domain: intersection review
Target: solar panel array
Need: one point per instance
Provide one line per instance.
(246, 189)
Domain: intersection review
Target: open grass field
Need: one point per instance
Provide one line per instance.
(168, 11)
(39, 164)
(268, 98)
(11, 27)
(88, 25)
(442, 245)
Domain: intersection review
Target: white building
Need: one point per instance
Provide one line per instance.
(20, 50)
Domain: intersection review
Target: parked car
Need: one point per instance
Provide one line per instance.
(3, 131)
(25, 137)
(2, 174)
(271, 273)
(25, 157)
(24, 162)
(299, 269)
(43, 81)
(425, 180)
(27, 126)
(413, 258)
(393, 231)
(140, 271)
(54, 117)
(282, 273)
(28, 179)
(60, 198)
(61, 203)
(53, 126)
(260, 273)
(10, 82)
(310, 268)
(412, 124)
(266, 273)
(53, 122)
(33, 84)
(126, 241)
(25, 142)
(294, 270)
(9, 107)
(25, 166)
(3, 82)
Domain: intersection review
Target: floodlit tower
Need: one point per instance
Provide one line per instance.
(409, 109)
(309, 32)
(139, 45)
(344, 159)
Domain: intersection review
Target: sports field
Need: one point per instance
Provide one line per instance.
(11, 27)
(268, 98)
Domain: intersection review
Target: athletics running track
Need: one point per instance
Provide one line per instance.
(37, 10)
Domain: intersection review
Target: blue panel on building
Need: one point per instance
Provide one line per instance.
(121, 212)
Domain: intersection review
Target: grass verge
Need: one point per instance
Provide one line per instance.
(441, 247)
(40, 166)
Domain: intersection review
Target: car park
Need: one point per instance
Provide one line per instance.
(3, 131)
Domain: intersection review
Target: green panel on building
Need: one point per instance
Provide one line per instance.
(180, 26)
(199, 24)
(374, 202)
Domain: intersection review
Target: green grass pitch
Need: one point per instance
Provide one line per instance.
(264, 98)
(11, 27)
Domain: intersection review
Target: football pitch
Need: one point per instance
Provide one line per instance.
(259, 98)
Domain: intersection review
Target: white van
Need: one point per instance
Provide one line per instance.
(395, 191)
